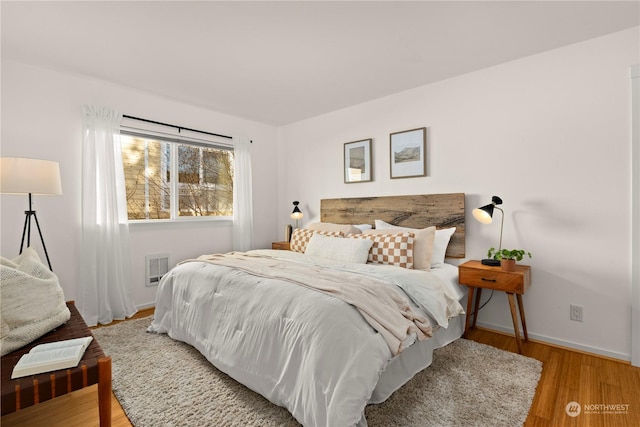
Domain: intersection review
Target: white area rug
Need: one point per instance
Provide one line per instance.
(161, 382)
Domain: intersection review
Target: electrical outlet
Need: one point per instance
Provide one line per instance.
(575, 313)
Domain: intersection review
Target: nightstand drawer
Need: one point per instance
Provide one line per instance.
(283, 246)
(516, 282)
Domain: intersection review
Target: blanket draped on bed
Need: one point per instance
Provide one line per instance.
(384, 308)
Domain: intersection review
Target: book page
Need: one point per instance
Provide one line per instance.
(44, 361)
(44, 357)
(83, 342)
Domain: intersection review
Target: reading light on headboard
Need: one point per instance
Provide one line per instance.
(484, 214)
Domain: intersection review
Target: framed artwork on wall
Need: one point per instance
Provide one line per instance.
(357, 161)
(408, 153)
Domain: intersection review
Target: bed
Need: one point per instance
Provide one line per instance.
(316, 331)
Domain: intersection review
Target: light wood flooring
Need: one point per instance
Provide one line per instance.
(567, 376)
(573, 376)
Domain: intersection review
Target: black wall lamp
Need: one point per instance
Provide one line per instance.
(297, 213)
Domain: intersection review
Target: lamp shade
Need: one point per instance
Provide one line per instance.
(29, 176)
(484, 214)
(297, 213)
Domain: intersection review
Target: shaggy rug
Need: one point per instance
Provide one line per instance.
(162, 382)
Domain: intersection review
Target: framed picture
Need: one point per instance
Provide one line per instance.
(357, 161)
(408, 153)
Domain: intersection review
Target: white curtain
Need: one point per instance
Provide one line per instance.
(242, 195)
(105, 274)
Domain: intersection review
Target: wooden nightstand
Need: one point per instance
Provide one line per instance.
(475, 275)
(283, 246)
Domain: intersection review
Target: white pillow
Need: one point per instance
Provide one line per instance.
(440, 242)
(363, 227)
(339, 249)
(331, 227)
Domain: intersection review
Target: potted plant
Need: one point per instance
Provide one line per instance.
(508, 257)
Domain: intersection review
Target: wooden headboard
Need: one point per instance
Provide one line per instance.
(417, 211)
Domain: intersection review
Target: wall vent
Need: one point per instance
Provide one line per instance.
(157, 266)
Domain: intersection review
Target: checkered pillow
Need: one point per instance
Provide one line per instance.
(390, 249)
(301, 236)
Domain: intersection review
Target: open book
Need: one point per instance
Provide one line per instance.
(51, 357)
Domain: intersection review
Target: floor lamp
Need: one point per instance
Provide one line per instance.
(33, 177)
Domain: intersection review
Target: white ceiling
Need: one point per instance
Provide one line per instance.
(280, 62)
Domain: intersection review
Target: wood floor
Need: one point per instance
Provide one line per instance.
(567, 376)
(572, 376)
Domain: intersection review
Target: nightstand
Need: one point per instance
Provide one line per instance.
(283, 246)
(477, 276)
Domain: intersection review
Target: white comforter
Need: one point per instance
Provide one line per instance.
(306, 351)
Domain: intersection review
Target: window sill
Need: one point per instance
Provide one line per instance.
(198, 221)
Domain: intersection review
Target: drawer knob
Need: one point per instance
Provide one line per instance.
(484, 279)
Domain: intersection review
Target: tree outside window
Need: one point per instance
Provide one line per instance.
(205, 179)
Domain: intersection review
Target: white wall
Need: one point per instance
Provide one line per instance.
(41, 119)
(550, 134)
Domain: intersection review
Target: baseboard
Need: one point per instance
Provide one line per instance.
(146, 306)
(620, 357)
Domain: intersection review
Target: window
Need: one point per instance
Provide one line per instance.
(204, 187)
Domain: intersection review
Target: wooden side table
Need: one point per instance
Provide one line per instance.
(283, 246)
(475, 275)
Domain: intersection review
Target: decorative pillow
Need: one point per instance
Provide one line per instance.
(5, 329)
(32, 301)
(339, 249)
(390, 249)
(440, 241)
(301, 236)
(338, 228)
(422, 245)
